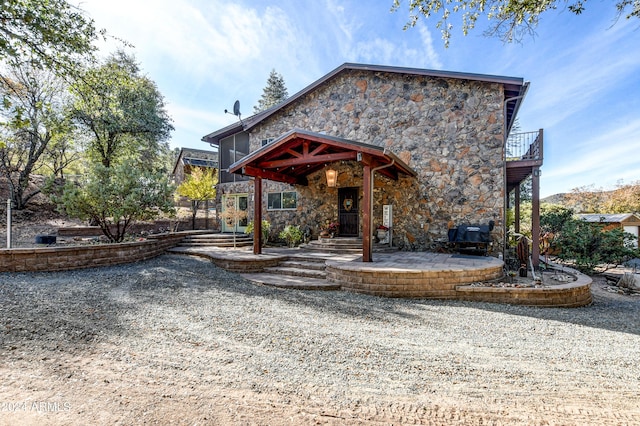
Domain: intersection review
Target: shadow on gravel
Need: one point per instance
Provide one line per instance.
(56, 311)
(604, 313)
(607, 313)
(78, 309)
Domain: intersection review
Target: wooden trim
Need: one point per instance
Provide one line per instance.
(257, 215)
(267, 174)
(308, 159)
(367, 183)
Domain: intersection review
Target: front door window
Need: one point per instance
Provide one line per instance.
(237, 202)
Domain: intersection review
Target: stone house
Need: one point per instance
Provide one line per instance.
(430, 144)
(187, 160)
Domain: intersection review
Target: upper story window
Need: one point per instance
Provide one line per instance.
(232, 149)
(267, 141)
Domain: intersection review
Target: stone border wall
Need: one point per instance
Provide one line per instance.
(86, 256)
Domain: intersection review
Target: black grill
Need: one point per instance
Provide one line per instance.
(476, 236)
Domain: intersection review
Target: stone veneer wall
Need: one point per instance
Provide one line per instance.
(449, 131)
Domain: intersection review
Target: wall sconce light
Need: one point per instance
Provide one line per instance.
(332, 178)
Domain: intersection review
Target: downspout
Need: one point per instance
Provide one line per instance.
(504, 173)
(373, 172)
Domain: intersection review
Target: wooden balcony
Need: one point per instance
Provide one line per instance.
(523, 154)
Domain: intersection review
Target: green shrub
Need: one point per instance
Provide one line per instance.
(291, 234)
(266, 226)
(593, 248)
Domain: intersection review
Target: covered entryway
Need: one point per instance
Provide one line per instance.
(299, 153)
(348, 212)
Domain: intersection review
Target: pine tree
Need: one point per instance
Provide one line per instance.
(274, 93)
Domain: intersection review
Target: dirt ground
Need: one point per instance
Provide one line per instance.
(175, 340)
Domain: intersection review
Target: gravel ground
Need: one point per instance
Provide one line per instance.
(176, 340)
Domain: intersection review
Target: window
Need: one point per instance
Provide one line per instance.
(282, 200)
(232, 149)
(267, 141)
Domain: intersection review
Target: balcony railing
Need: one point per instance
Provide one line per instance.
(524, 146)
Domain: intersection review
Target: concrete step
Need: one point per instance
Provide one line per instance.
(326, 248)
(217, 239)
(291, 282)
(216, 244)
(303, 264)
(217, 236)
(296, 272)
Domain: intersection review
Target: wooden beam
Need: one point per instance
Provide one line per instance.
(535, 217)
(326, 158)
(320, 148)
(294, 153)
(367, 185)
(257, 215)
(267, 174)
(516, 209)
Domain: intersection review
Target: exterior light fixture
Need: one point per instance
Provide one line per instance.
(332, 177)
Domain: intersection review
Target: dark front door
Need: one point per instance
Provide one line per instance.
(348, 211)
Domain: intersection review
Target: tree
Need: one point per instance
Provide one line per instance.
(34, 123)
(274, 93)
(199, 186)
(591, 247)
(122, 110)
(624, 199)
(49, 33)
(512, 19)
(115, 197)
(233, 216)
(586, 199)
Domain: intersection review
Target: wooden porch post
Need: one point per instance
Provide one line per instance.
(366, 212)
(257, 215)
(535, 217)
(516, 209)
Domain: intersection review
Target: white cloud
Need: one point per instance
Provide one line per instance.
(602, 160)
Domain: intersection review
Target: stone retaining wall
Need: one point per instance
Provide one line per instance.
(404, 283)
(86, 256)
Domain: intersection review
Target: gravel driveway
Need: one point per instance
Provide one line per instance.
(176, 340)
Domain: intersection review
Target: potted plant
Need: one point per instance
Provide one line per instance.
(330, 229)
(382, 232)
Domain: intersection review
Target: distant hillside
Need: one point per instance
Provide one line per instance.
(560, 199)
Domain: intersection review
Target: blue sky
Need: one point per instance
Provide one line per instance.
(205, 54)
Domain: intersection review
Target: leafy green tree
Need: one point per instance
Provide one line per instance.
(198, 187)
(593, 248)
(49, 34)
(122, 110)
(274, 93)
(33, 124)
(512, 19)
(554, 217)
(115, 197)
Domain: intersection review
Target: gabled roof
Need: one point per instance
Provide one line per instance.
(196, 157)
(514, 91)
(298, 153)
(610, 218)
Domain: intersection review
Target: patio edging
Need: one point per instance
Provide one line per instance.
(62, 258)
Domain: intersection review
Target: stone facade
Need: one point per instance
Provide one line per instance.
(449, 131)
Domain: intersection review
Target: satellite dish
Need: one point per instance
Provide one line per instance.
(236, 111)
